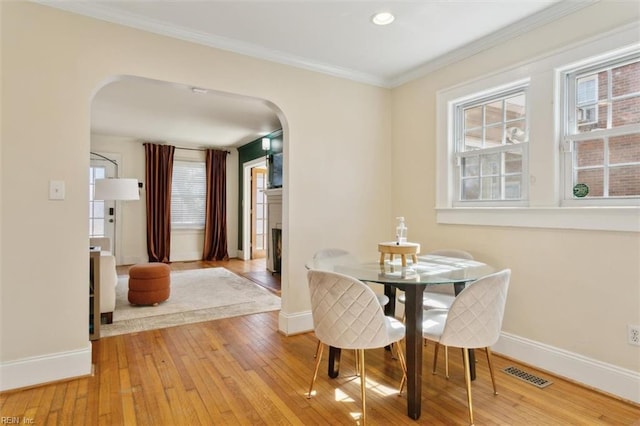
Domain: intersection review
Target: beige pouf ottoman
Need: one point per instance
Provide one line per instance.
(149, 283)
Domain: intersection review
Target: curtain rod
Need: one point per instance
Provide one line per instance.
(200, 149)
(114, 162)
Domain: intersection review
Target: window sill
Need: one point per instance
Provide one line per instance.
(626, 219)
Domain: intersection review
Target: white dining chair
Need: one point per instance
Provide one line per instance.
(347, 315)
(473, 321)
(440, 296)
(328, 258)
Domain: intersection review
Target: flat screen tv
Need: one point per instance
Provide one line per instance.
(275, 171)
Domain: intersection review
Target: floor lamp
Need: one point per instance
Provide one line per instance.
(115, 189)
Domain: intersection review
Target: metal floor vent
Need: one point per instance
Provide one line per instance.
(529, 378)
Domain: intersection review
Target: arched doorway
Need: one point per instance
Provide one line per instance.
(128, 111)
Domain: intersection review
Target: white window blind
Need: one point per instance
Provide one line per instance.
(188, 188)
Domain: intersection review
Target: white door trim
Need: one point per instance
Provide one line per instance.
(245, 254)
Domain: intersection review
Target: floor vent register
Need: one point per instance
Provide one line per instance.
(529, 378)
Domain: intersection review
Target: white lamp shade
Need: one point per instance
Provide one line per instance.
(116, 189)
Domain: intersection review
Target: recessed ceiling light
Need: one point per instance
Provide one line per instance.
(383, 18)
(199, 90)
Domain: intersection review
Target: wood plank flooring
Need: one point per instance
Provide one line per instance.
(241, 371)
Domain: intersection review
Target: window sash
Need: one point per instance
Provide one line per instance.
(599, 174)
(503, 180)
(495, 187)
(96, 207)
(587, 72)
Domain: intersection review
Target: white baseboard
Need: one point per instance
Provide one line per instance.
(194, 256)
(185, 256)
(44, 369)
(608, 378)
(599, 375)
(175, 257)
(133, 260)
(605, 377)
(301, 322)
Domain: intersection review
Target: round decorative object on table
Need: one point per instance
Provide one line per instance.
(404, 249)
(149, 283)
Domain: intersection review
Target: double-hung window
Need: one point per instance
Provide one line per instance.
(601, 123)
(491, 148)
(96, 207)
(553, 142)
(188, 195)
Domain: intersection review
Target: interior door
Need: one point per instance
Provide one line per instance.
(102, 214)
(258, 213)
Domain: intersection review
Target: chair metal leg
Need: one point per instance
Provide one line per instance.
(363, 385)
(319, 351)
(493, 379)
(446, 362)
(467, 379)
(403, 365)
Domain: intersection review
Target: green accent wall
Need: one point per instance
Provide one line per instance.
(250, 152)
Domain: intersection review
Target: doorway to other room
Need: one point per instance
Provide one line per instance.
(258, 212)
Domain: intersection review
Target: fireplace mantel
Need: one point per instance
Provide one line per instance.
(274, 221)
(273, 195)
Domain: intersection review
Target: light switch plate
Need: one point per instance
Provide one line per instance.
(56, 190)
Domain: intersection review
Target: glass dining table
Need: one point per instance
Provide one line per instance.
(429, 270)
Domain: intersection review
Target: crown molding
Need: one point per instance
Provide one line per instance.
(546, 16)
(105, 13)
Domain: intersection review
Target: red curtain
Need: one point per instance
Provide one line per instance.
(215, 220)
(158, 174)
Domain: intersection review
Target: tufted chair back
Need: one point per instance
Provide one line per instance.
(475, 317)
(347, 314)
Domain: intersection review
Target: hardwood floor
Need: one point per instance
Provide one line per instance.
(242, 371)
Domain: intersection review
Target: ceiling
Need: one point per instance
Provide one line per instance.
(157, 111)
(333, 37)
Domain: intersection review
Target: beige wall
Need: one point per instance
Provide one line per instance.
(54, 62)
(575, 290)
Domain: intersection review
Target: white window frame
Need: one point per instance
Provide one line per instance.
(569, 122)
(93, 203)
(188, 225)
(545, 209)
(457, 108)
(592, 105)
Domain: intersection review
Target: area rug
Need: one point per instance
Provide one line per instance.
(196, 295)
